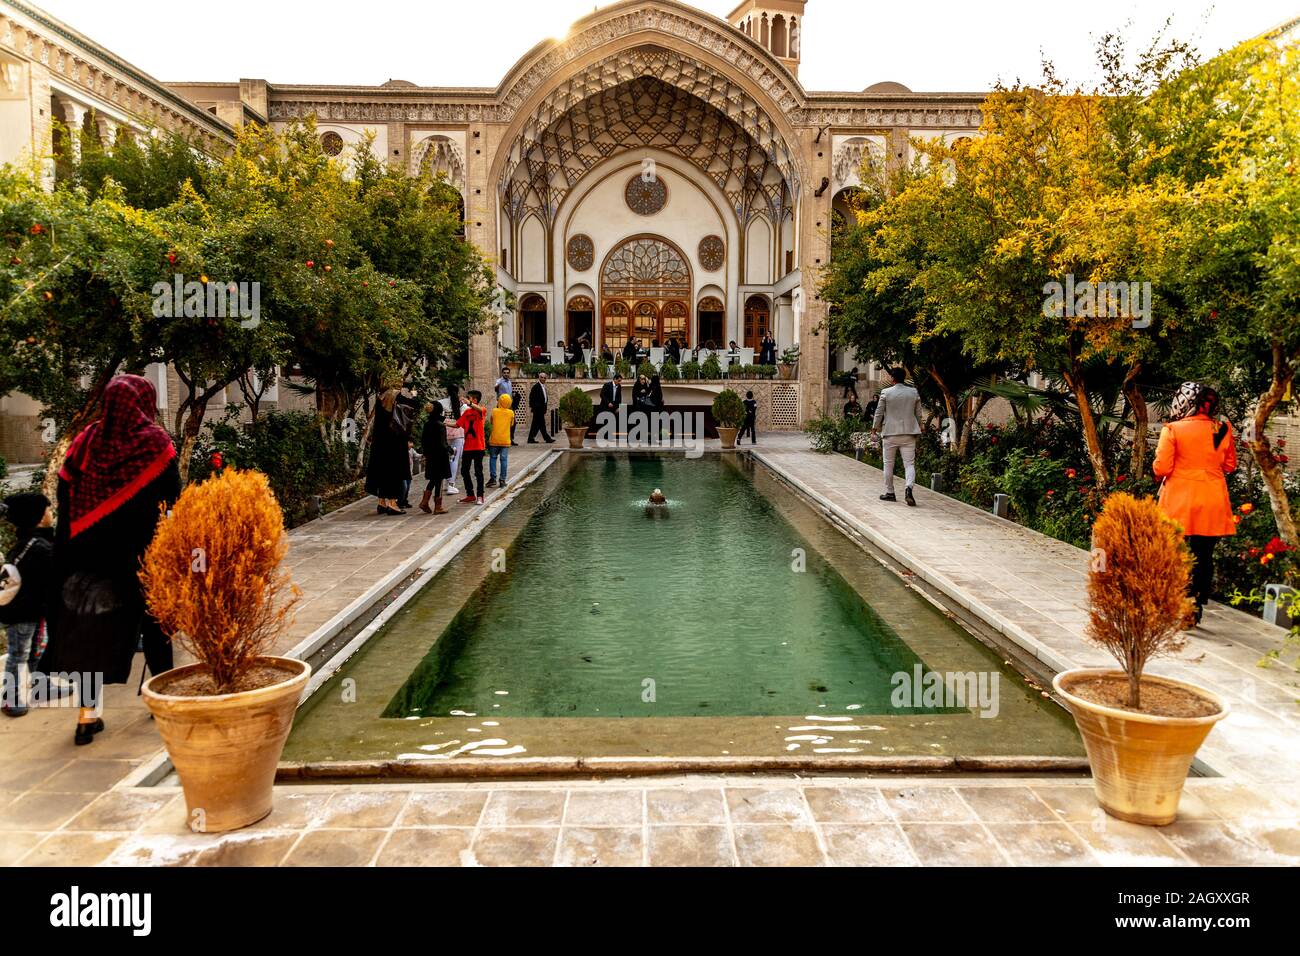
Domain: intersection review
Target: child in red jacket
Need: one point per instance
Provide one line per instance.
(475, 444)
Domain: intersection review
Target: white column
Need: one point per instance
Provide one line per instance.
(107, 130)
(74, 115)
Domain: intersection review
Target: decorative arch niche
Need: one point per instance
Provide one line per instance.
(532, 321)
(757, 320)
(649, 96)
(645, 290)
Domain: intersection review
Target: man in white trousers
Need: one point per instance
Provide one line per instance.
(898, 422)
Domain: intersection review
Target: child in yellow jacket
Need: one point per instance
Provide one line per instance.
(503, 420)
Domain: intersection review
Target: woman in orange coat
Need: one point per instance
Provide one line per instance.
(1195, 452)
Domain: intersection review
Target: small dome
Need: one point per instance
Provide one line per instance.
(887, 87)
(400, 84)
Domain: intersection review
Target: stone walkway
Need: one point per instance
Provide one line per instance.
(687, 821)
(60, 805)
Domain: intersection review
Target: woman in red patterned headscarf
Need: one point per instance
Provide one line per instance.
(119, 473)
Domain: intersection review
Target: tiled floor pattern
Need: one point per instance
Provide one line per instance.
(697, 821)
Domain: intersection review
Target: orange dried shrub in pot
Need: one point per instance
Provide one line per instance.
(1141, 731)
(212, 574)
(1137, 588)
(212, 578)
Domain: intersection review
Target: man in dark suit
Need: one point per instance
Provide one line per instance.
(611, 397)
(611, 394)
(537, 402)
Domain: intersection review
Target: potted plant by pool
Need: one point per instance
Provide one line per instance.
(729, 413)
(575, 412)
(789, 359)
(1141, 731)
(212, 578)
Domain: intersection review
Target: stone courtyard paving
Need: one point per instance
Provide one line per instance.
(75, 806)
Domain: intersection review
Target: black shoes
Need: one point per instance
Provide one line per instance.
(907, 496)
(86, 732)
(390, 511)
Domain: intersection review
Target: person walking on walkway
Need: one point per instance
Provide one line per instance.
(389, 467)
(537, 403)
(23, 593)
(750, 426)
(1195, 453)
(119, 476)
(503, 423)
(505, 386)
(455, 435)
(898, 421)
(472, 420)
(437, 458)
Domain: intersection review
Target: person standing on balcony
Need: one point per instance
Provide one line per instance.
(898, 421)
(1195, 453)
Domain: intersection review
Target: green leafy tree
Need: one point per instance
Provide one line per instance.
(76, 277)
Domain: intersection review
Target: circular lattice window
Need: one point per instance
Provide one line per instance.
(645, 195)
(581, 252)
(331, 142)
(712, 253)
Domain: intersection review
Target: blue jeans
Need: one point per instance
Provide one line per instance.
(22, 649)
(495, 452)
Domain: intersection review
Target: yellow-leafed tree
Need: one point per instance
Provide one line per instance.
(1137, 588)
(212, 574)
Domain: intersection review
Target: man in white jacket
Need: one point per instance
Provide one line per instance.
(899, 414)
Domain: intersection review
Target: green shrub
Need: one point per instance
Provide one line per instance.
(575, 407)
(288, 448)
(751, 371)
(728, 409)
(622, 366)
(831, 435)
(668, 371)
(645, 368)
(600, 368)
(690, 370)
(712, 368)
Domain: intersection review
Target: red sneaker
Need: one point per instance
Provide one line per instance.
(469, 500)
(480, 501)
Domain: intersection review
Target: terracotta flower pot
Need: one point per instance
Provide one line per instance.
(1139, 761)
(576, 434)
(727, 436)
(225, 748)
(785, 371)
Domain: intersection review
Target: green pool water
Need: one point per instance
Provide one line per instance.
(711, 605)
(736, 621)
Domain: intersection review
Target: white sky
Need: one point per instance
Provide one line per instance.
(928, 45)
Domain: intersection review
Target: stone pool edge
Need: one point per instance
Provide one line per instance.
(451, 540)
